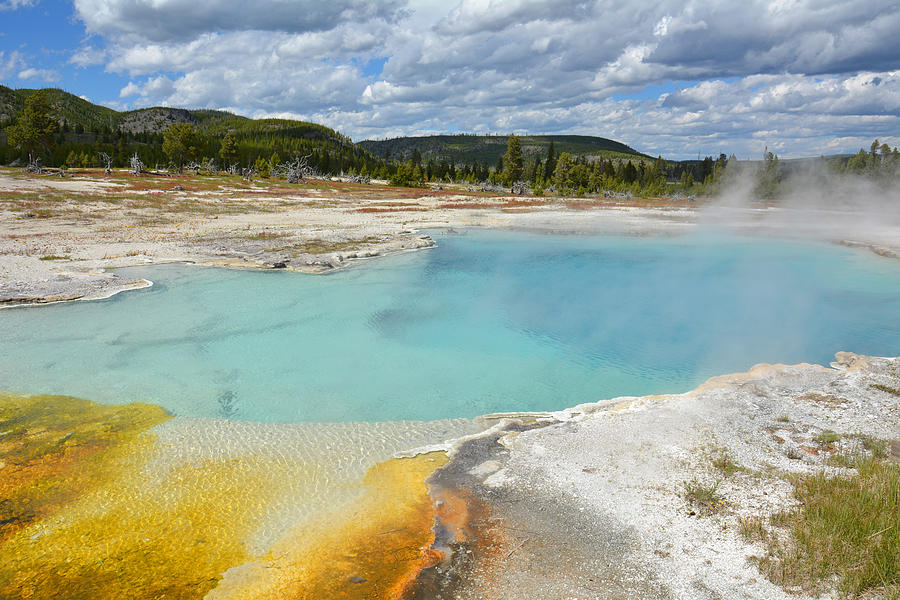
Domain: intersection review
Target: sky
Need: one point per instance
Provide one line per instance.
(677, 78)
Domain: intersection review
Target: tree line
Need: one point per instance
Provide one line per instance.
(264, 147)
(248, 144)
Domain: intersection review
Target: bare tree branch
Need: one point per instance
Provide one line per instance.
(137, 166)
(295, 170)
(106, 162)
(34, 164)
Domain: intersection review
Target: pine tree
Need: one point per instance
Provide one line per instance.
(550, 165)
(562, 171)
(229, 149)
(35, 127)
(512, 162)
(181, 142)
(261, 166)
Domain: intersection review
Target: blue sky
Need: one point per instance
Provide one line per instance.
(672, 77)
(46, 33)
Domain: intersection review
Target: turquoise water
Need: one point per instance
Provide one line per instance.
(488, 321)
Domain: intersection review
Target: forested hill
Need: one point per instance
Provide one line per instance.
(487, 149)
(88, 128)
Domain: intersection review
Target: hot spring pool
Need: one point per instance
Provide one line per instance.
(488, 321)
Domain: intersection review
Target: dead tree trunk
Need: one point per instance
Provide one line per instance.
(34, 164)
(137, 166)
(296, 170)
(106, 162)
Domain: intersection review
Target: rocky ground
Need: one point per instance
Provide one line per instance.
(592, 502)
(62, 236)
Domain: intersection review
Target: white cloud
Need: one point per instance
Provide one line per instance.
(47, 75)
(132, 89)
(10, 62)
(16, 4)
(801, 72)
(88, 56)
(164, 20)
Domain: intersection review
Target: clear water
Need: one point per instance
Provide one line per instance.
(488, 321)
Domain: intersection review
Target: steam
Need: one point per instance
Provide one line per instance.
(815, 202)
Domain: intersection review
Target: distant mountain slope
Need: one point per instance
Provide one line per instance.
(66, 106)
(486, 149)
(90, 128)
(92, 117)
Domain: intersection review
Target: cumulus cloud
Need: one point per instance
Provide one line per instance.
(165, 20)
(88, 56)
(769, 37)
(129, 90)
(48, 75)
(758, 72)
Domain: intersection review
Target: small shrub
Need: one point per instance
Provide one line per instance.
(793, 454)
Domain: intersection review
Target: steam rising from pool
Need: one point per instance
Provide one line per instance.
(814, 203)
(486, 322)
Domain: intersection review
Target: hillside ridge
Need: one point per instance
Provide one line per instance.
(86, 128)
(487, 149)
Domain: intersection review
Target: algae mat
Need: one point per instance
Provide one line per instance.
(126, 502)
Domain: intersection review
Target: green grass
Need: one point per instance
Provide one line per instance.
(704, 497)
(827, 437)
(753, 529)
(725, 464)
(863, 447)
(55, 257)
(847, 530)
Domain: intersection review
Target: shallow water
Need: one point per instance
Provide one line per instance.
(488, 321)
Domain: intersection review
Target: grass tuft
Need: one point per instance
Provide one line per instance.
(827, 437)
(847, 529)
(886, 388)
(725, 465)
(753, 529)
(862, 448)
(704, 497)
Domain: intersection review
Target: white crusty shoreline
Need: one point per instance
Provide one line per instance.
(83, 239)
(589, 502)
